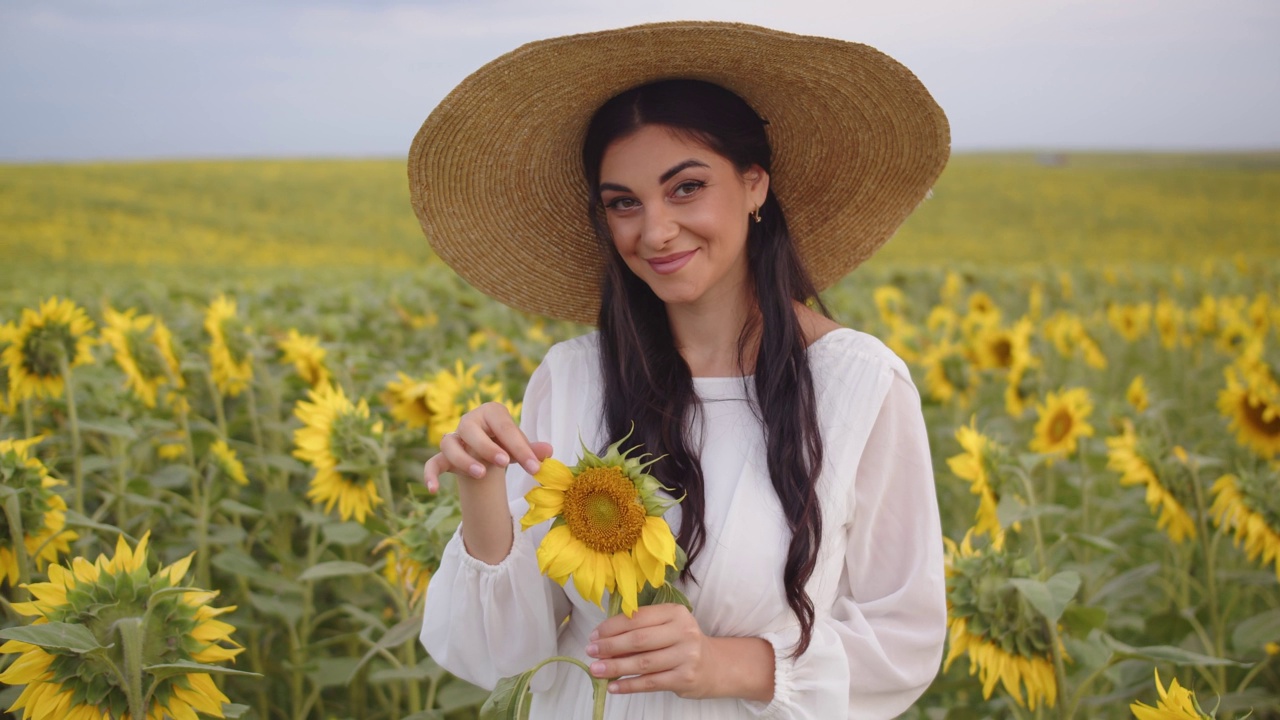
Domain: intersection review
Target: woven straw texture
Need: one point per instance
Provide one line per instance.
(495, 172)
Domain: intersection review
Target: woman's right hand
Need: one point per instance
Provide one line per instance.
(487, 437)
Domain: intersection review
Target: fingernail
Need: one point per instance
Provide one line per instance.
(595, 635)
(533, 466)
(597, 668)
(592, 649)
(613, 687)
(502, 459)
(477, 470)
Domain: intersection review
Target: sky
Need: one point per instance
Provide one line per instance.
(151, 79)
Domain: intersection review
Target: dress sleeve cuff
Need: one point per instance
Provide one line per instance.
(783, 667)
(521, 548)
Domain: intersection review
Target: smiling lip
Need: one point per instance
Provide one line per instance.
(671, 263)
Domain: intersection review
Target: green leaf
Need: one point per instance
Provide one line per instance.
(94, 463)
(335, 568)
(286, 463)
(110, 426)
(75, 519)
(1049, 597)
(1011, 510)
(399, 634)
(1128, 582)
(1080, 620)
(345, 534)
(1098, 543)
(330, 672)
(417, 673)
(184, 667)
(1165, 653)
(67, 637)
(291, 612)
(235, 507)
(172, 477)
(510, 699)
(1252, 633)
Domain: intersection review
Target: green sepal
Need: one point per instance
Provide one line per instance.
(56, 636)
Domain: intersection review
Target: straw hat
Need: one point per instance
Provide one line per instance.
(495, 172)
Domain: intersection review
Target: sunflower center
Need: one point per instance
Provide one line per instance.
(602, 510)
(1255, 415)
(1002, 349)
(1060, 426)
(953, 370)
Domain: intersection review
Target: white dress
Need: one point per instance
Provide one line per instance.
(878, 587)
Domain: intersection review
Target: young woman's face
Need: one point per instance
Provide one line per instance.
(678, 212)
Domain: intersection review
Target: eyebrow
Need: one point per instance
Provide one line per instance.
(661, 179)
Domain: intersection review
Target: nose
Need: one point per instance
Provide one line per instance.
(659, 227)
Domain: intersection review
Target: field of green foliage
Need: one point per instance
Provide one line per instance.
(219, 382)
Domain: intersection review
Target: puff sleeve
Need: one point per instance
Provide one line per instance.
(877, 648)
(485, 622)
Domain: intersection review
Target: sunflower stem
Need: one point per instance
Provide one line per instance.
(131, 643)
(122, 480)
(13, 512)
(217, 403)
(1215, 614)
(1055, 640)
(202, 524)
(28, 424)
(256, 424)
(76, 468)
(599, 693)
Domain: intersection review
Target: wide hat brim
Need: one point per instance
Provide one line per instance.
(495, 173)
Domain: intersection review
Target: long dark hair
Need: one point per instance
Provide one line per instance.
(645, 377)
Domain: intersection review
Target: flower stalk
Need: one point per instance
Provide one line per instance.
(77, 469)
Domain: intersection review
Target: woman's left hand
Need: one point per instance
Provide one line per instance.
(660, 644)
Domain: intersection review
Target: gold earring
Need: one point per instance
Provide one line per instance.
(755, 214)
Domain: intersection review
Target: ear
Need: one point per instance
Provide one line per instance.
(756, 181)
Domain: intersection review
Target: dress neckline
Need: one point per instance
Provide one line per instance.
(739, 378)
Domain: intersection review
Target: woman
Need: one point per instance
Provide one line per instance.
(809, 515)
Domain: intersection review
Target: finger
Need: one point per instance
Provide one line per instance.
(431, 470)
(677, 681)
(504, 431)
(646, 616)
(648, 663)
(455, 449)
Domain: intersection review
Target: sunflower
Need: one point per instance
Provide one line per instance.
(977, 464)
(1176, 703)
(1249, 506)
(452, 393)
(997, 348)
(232, 364)
(58, 329)
(1131, 321)
(1169, 321)
(176, 627)
(608, 533)
(1019, 391)
(890, 302)
(336, 433)
(1251, 401)
(307, 356)
(1067, 333)
(1063, 420)
(407, 399)
(948, 375)
(42, 510)
(1127, 456)
(1205, 316)
(952, 284)
(1008, 641)
(224, 458)
(1136, 394)
(904, 340)
(144, 351)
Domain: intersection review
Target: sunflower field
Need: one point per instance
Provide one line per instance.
(219, 383)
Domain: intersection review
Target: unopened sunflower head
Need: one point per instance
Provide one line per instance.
(176, 626)
(608, 532)
(1175, 703)
(342, 441)
(414, 552)
(144, 351)
(1007, 640)
(40, 509)
(57, 330)
(306, 356)
(230, 350)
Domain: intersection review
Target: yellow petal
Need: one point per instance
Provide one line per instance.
(554, 475)
(624, 570)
